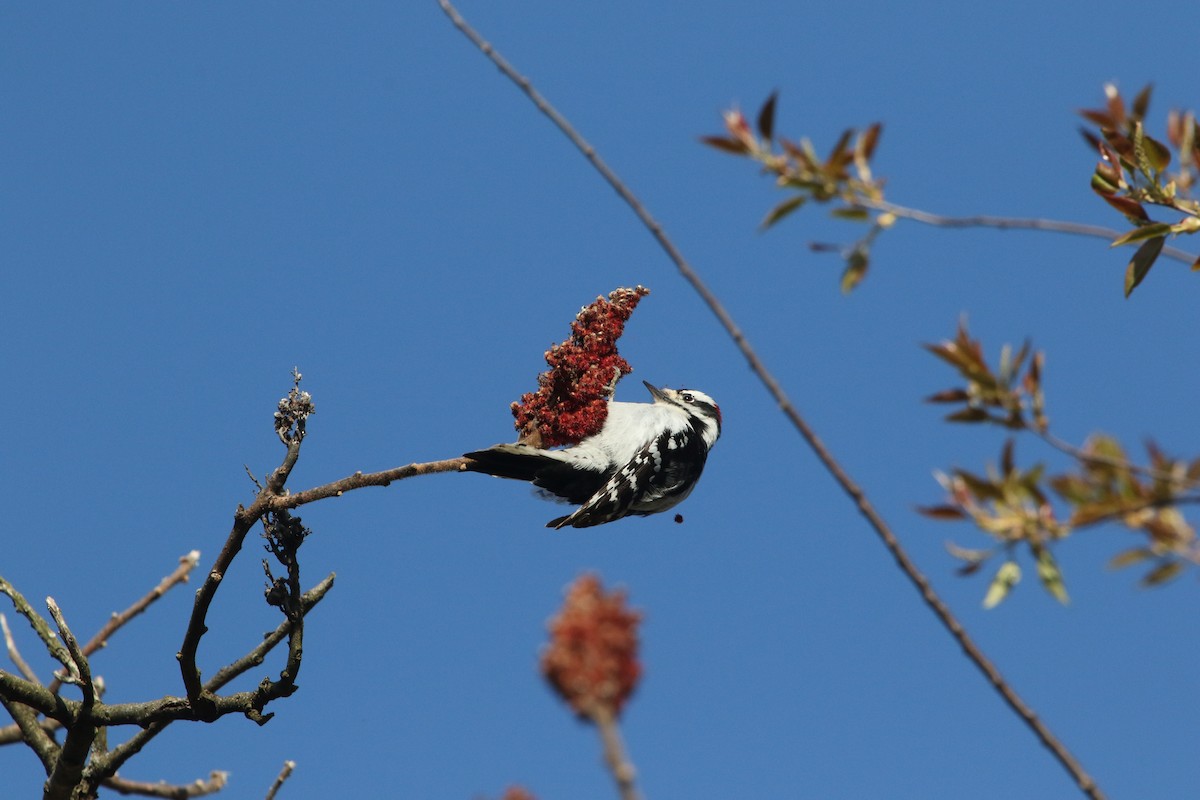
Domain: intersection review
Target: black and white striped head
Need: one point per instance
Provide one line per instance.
(703, 412)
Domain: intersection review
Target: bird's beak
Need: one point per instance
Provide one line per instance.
(656, 393)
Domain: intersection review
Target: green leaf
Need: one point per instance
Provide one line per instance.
(1104, 446)
(982, 489)
(1008, 576)
(1157, 153)
(856, 270)
(1128, 558)
(856, 214)
(1142, 261)
(967, 554)
(1101, 184)
(782, 210)
(1152, 156)
(1071, 488)
(1142, 233)
(1051, 576)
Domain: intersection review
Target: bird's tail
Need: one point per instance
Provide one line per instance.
(517, 461)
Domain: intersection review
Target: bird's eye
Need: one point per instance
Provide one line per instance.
(687, 397)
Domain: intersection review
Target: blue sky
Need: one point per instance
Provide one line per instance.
(198, 198)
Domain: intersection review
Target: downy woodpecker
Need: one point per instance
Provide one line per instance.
(646, 459)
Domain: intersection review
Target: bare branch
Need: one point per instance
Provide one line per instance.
(37, 622)
(1084, 781)
(37, 697)
(284, 774)
(361, 480)
(272, 499)
(81, 731)
(80, 670)
(109, 763)
(100, 640)
(243, 520)
(11, 734)
(31, 731)
(253, 479)
(615, 756)
(197, 788)
(15, 655)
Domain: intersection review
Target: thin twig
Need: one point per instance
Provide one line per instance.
(1011, 223)
(919, 581)
(80, 670)
(1086, 457)
(15, 655)
(11, 734)
(283, 775)
(32, 732)
(37, 622)
(253, 479)
(172, 791)
(81, 732)
(615, 756)
(243, 521)
(187, 563)
(361, 480)
(273, 498)
(116, 758)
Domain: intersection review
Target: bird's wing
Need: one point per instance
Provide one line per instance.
(655, 479)
(641, 476)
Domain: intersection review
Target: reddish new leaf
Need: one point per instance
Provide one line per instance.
(949, 396)
(766, 118)
(941, 512)
(1142, 102)
(1127, 206)
(728, 145)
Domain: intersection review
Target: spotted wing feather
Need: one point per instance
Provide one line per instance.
(656, 478)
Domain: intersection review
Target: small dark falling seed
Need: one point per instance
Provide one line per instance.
(678, 519)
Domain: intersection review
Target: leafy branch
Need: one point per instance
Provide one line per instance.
(1132, 173)
(1014, 506)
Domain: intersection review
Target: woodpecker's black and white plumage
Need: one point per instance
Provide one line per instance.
(646, 459)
